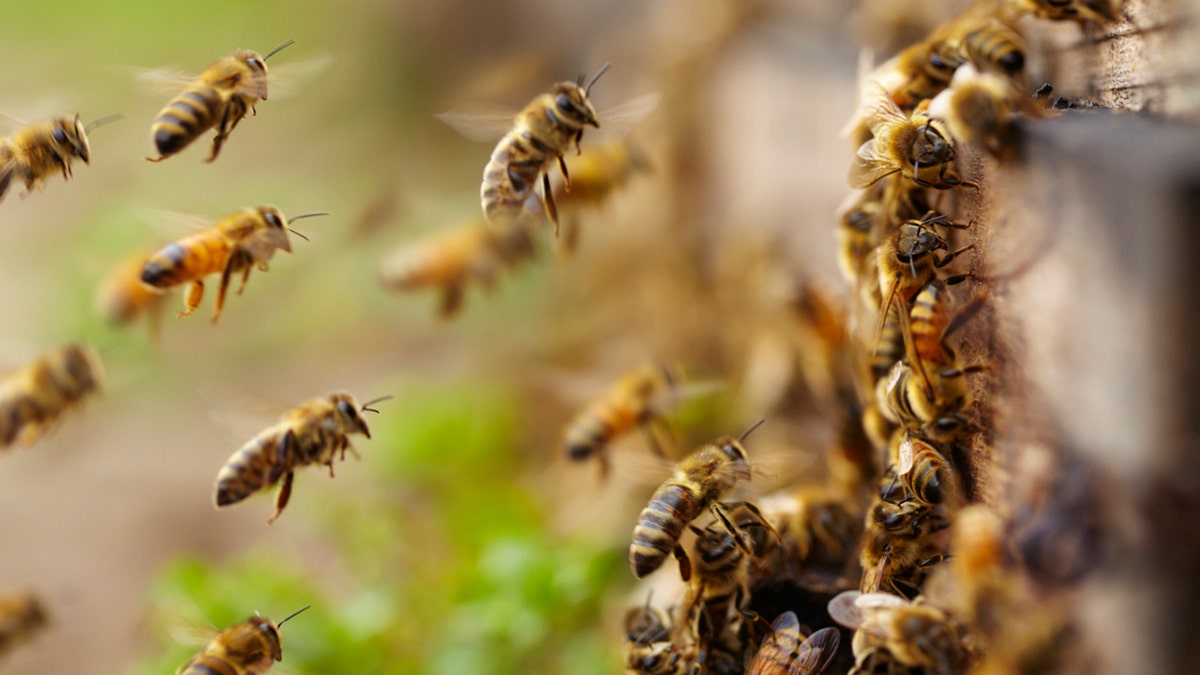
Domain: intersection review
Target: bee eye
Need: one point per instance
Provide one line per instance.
(564, 102)
(345, 409)
(60, 135)
(273, 220)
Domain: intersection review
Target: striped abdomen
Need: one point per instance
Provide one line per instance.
(671, 508)
(890, 347)
(257, 465)
(187, 260)
(923, 481)
(928, 321)
(209, 665)
(598, 426)
(512, 173)
(186, 117)
(995, 45)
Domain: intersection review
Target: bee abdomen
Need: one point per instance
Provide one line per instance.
(659, 527)
(208, 665)
(164, 268)
(255, 466)
(185, 118)
(588, 434)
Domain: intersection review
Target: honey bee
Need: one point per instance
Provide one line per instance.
(595, 177)
(247, 648)
(785, 651)
(915, 634)
(858, 233)
(901, 539)
(977, 109)
(917, 147)
(124, 296)
(648, 646)
(450, 259)
(819, 526)
(638, 398)
(37, 151)
(922, 469)
(700, 481)
(34, 398)
(311, 433)
(542, 133)
(220, 96)
(22, 616)
(238, 242)
(1099, 11)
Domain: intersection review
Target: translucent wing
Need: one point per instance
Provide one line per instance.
(869, 166)
(287, 79)
(816, 653)
(479, 123)
(881, 110)
(173, 224)
(164, 80)
(906, 457)
(873, 601)
(844, 609)
(624, 116)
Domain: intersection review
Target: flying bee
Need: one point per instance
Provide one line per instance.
(900, 540)
(638, 399)
(542, 133)
(37, 151)
(22, 616)
(238, 242)
(33, 399)
(312, 433)
(977, 109)
(473, 251)
(595, 177)
(785, 651)
(219, 97)
(247, 648)
(700, 481)
(124, 296)
(916, 635)
(917, 147)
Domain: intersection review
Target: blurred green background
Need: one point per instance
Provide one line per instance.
(463, 541)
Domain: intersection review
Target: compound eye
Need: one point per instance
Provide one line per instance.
(257, 64)
(345, 409)
(273, 220)
(60, 135)
(564, 102)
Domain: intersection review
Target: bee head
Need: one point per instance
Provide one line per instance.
(277, 229)
(932, 146)
(257, 83)
(349, 412)
(571, 103)
(69, 135)
(915, 240)
(270, 632)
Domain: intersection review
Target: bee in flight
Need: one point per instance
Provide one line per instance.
(38, 150)
(237, 243)
(700, 481)
(312, 433)
(219, 97)
(247, 648)
(21, 617)
(452, 258)
(34, 398)
(542, 133)
(785, 651)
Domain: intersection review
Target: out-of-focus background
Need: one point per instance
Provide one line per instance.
(463, 541)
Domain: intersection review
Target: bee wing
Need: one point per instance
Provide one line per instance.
(619, 119)
(869, 166)
(243, 415)
(906, 457)
(185, 629)
(816, 653)
(173, 224)
(164, 80)
(479, 123)
(844, 609)
(880, 109)
(285, 80)
(875, 601)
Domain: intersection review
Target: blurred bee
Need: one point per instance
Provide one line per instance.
(1099, 11)
(219, 97)
(785, 651)
(977, 109)
(595, 177)
(38, 150)
(124, 296)
(700, 481)
(450, 259)
(916, 635)
(34, 398)
(900, 540)
(922, 469)
(648, 646)
(639, 398)
(238, 242)
(247, 648)
(311, 433)
(917, 147)
(542, 133)
(819, 527)
(22, 616)
(858, 233)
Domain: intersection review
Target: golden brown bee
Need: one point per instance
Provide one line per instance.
(977, 109)
(34, 398)
(473, 251)
(923, 470)
(312, 433)
(720, 574)
(37, 151)
(648, 646)
(595, 177)
(700, 481)
(859, 227)
(992, 45)
(785, 651)
(124, 296)
(819, 528)
(219, 97)
(917, 147)
(900, 540)
(247, 648)
(542, 133)
(22, 616)
(238, 242)
(638, 398)
(916, 635)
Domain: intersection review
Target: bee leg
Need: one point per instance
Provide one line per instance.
(245, 278)
(225, 275)
(191, 299)
(281, 497)
(551, 209)
(562, 166)
(685, 563)
(946, 259)
(223, 129)
(452, 297)
(602, 461)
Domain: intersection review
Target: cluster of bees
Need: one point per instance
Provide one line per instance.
(887, 547)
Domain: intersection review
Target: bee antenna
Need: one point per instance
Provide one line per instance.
(102, 121)
(291, 615)
(308, 215)
(298, 234)
(367, 406)
(280, 48)
(588, 90)
(751, 429)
